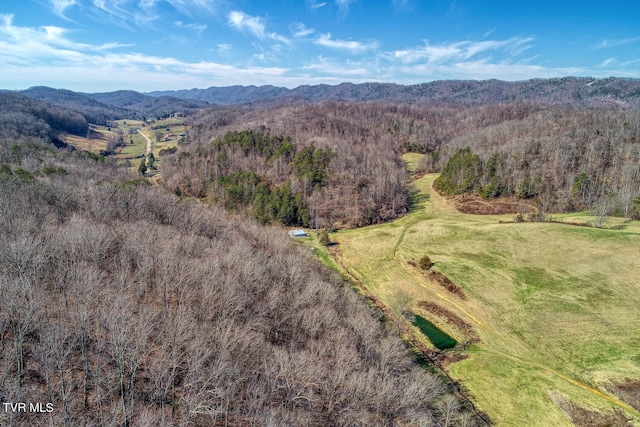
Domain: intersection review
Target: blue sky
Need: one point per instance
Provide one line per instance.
(145, 45)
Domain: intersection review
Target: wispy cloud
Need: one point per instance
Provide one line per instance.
(243, 22)
(608, 62)
(53, 55)
(314, 4)
(348, 45)
(300, 30)
(193, 7)
(604, 44)
(403, 5)
(343, 6)
(195, 27)
(126, 13)
(253, 25)
(59, 6)
(332, 67)
(461, 50)
(27, 46)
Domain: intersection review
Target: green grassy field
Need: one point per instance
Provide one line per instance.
(554, 307)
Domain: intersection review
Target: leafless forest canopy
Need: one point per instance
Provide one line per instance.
(562, 159)
(123, 305)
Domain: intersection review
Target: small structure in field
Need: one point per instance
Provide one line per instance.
(298, 233)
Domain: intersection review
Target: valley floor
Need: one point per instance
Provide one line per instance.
(547, 313)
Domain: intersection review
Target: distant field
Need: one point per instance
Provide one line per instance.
(139, 147)
(132, 151)
(548, 312)
(94, 144)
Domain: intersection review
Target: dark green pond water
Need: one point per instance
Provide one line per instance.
(435, 335)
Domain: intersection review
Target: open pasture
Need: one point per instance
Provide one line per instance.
(547, 316)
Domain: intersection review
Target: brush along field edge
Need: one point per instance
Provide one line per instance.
(554, 306)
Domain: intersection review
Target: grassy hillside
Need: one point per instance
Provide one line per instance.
(547, 312)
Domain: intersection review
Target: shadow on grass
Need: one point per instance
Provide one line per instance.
(417, 200)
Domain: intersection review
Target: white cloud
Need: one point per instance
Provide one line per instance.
(138, 12)
(243, 22)
(336, 68)
(343, 5)
(50, 55)
(349, 45)
(194, 7)
(224, 48)
(300, 30)
(616, 42)
(193, 26)
(313, 4)
(460, 51)
(45, 55)
(253, 25)
(608, 62)
(59, 6)
(479, 70)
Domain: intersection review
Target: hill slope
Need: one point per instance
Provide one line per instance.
(122, 305)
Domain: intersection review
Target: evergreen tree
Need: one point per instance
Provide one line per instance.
(142, 167)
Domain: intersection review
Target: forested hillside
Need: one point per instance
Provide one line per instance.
(149, 106)
(563, 159)
(22, 116)
(339, 163)
(94, 111)
(121, 304)
(317, 165)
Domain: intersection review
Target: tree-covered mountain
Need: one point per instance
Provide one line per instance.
(149, 106)
(94, 111)
(23, 116)
(567, 91)
(101, 108)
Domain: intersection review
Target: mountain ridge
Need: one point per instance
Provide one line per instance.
(609, 92)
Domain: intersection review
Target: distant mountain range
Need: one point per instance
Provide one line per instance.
(102, 107)
(568, 91)
(578, 92)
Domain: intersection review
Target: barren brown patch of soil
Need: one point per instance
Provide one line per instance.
(447, 283)
(444, 360)
(472, 204)
(584, 417)
(628, 391)
(448, 316)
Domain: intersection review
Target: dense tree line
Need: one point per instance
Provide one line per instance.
(122, 304)
(564, 159)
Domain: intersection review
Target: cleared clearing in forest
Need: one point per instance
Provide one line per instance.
(553, 306)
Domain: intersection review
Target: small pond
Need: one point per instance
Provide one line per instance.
(435, 335)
